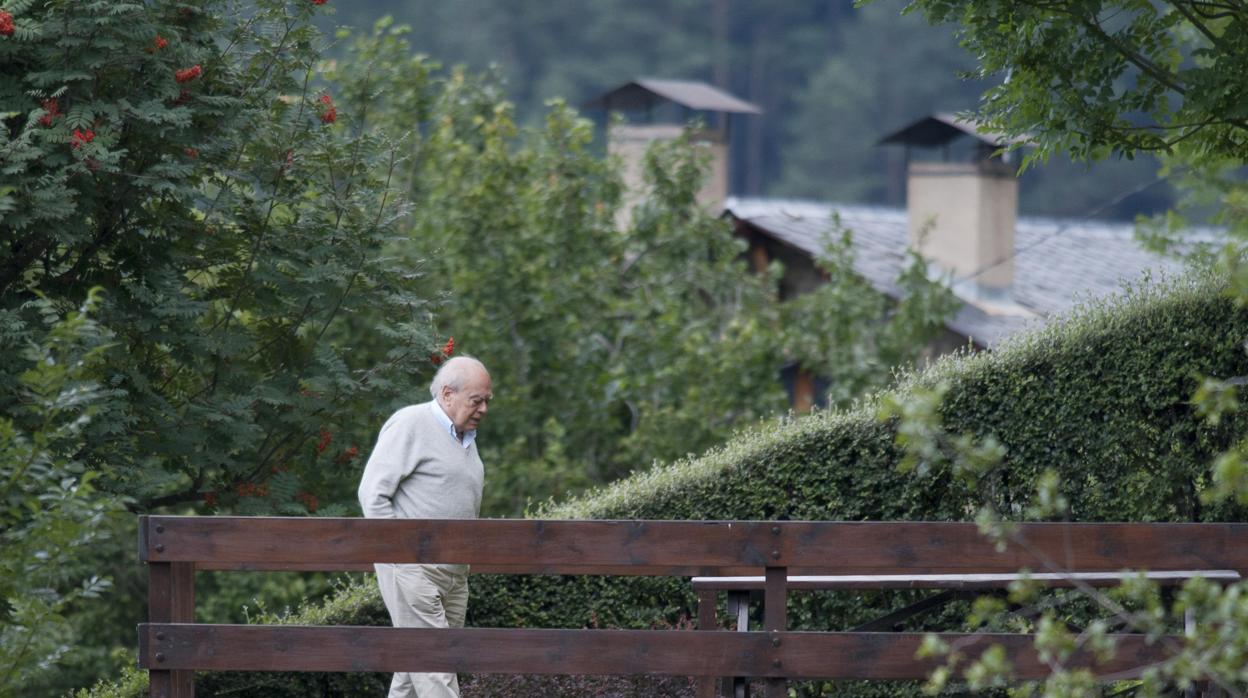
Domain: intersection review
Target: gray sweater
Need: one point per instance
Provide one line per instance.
(418, 470)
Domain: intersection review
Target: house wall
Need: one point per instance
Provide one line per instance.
(800, 273)
(800, 276)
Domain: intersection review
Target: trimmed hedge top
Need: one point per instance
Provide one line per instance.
(1102, 395)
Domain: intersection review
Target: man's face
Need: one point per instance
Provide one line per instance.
(467, 406)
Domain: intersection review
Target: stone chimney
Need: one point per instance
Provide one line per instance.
(661, 110)
(629, 143)
(962, 209)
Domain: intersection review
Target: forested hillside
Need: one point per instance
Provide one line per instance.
(832, 80)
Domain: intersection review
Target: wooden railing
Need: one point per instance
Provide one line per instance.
(172, 646)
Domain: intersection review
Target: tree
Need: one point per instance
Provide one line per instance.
(859, 93)
(610, 348)
(1120, 77)
(1092, 79)
(182, 157)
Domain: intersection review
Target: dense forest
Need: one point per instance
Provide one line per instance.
(832, 79)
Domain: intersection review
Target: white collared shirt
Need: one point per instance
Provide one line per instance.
(445, 421)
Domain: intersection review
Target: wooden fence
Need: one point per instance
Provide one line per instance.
(172, 646)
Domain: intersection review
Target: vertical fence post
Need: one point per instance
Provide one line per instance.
(739, 612)
(776, 619)
(705, 685)
(171, 599)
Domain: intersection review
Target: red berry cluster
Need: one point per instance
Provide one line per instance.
(188, 74)
(251, 489)
(447, 350)
(51, 110)
(347, 455)
(329, 113)
(158, 43)
(6, 24)
(81, 137)
(309, 500)
(323, 443)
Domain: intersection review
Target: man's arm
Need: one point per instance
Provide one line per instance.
(392, 460)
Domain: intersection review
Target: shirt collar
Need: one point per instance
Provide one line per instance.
(445, 421)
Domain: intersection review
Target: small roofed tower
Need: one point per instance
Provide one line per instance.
(661, 110)
(962, 206)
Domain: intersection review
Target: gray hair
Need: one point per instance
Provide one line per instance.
(454, 373)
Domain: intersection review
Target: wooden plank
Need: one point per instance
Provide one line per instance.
(738, 608)
(750, 578)
(802, 655)
(705, 684)
(520, 545)
(171, 599)
(958, 581)
(159, 610)
(624, 570)
(775, 621)
(830, 547)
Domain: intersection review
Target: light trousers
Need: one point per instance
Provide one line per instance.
(424, 596)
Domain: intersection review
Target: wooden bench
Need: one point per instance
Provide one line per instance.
(952, 586)
(172, 646)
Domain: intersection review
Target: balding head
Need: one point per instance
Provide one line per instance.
(463, 389)
(455, 373)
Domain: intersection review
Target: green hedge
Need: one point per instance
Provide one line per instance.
(1103, 397)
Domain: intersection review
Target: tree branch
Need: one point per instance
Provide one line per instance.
(1151, 69)
(1200, 26)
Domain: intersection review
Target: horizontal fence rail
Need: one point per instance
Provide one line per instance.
(870, 555)
(863, 582)
(526, 546)
(796, 655)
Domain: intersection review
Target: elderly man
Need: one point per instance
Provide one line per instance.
(425, 466)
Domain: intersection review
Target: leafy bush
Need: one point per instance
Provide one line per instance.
(50, 512)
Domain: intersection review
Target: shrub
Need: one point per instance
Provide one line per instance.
(51, 515)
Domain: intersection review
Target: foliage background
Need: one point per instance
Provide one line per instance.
(610, 348)
(832, 78)
(287, 244)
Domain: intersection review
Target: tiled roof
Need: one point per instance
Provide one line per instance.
(1057, 263)
(643, 93)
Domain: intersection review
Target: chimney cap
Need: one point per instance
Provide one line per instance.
(942, 127)
(644, 93)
